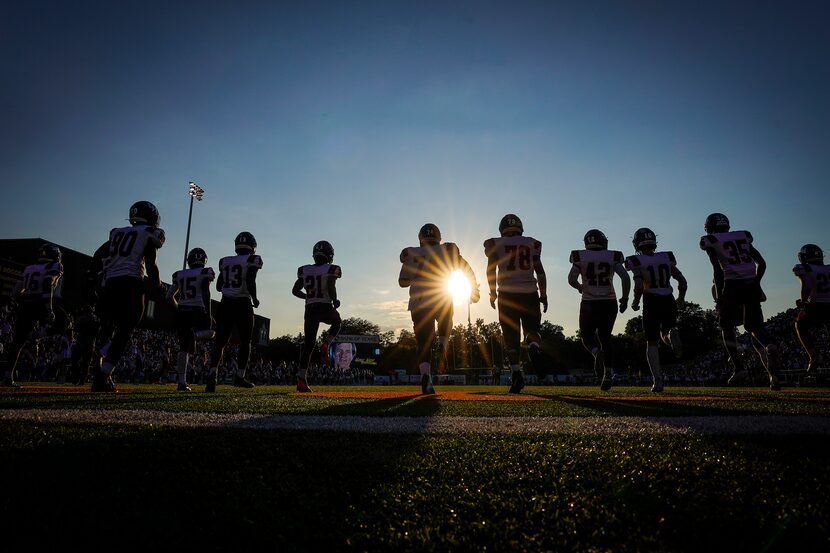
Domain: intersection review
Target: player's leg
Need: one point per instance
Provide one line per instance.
(423, 323)
(588, 334)
(311, 324)
(606, 316)
(224, 324)
(443, 321)
(127, 300)
(509, 319)
(804, 323)
(23, 325)
(531, 319)
(730, 315)
(244, 317)
(651, 328)
(761, 340)
(330, 316)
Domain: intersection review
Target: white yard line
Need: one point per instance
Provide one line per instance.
(736, 425)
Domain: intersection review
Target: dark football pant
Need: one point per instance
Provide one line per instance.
(316, 313)
(239, 313)
(518, 311)
(424, 320)
(123, 307)
(740, 304)
(188, 320)
(28, 314)
(811, 316)
(659, 315)
(596, 322)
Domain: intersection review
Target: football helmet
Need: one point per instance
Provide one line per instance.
(49, 253)
(716, 222)
(595, 240)
(144, 213)
(429, 234)
(644, 237)
(244, 243)
(196, 258)
(810, 253)
(511, 224)
(323, 251)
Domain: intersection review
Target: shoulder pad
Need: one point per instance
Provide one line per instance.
(255, 261)
(574, 256)
(56, 268)
(537, 247)
(451, 248)
(632, 261)
(300, 272)
(802, 268)
(706, 241)
(489, 244)
(175, 276)
(158, 235)
(335, 270)
(671, 258)
(207, 271)
(404, 255)
(748, 236)
(618, 256)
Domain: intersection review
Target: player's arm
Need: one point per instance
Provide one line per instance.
(637, 277)
(172, 292)
(492, 273)
(471, 278)
(717, 274)
(407, 273)
(332, 289)
(760, 262)
(297, 290)
(206, 295)
(625, 280)
(150, 264)
(573, 279)
(250, 280)
(542, 279)
(682, 285)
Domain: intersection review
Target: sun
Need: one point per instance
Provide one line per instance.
(460, 288)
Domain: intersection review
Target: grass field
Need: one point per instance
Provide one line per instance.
(470, 469)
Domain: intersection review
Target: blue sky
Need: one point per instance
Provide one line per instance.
(357, 122)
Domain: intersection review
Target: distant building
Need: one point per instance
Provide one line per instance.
(16, 254)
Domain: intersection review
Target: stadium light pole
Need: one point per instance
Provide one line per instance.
(197, 192)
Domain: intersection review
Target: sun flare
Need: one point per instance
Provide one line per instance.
(460, 288)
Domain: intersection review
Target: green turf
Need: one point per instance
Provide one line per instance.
(139, 487)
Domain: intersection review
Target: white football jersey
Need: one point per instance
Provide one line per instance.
(235, 271)
(40, 279)
(597, 270)
(189, 284)
(429, 269)
(733, 250)
(315, 281)
(655, 270)
(816, 279)
(127, 246)
(514, 257)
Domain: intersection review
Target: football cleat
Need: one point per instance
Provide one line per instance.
(426, 385)
(518, 383)
(658, 385)
(144, 213)
(595, 240)
(511, 224)
(182, 387)
(241, 382)
(103, 383)
(810, 253)
(736, 378)
(196, 258)
(716, 222)
(323, 252)
(302, 386)
(605, 385)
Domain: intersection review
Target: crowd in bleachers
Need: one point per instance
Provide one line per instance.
(151, 358)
